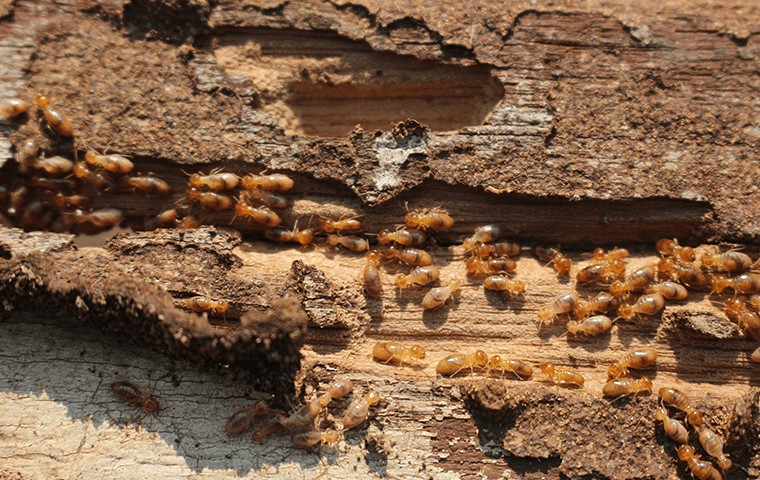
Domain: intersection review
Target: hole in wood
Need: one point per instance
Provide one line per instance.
(323, 84)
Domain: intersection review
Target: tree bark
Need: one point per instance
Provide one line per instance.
(608, 124)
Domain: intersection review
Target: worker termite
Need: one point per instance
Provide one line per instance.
(621, 387)
(12, 107)
(614, 254)
(685, 274)
(503, 248)
(736, 308)
(438, 296)
(150, 185)
(215, 181)
(303, 416)
(678, 399)
(97, 180)
(601, 270)
(106, 217)
(64, 201)
(520, 369)
(275, 182)
(548, 252)
(638, 279)
(673, 428)
(27, 156)
(282, 235)
(418, 276)
(113, 163)
(191, 221)
(591, 325)
(337, 226)
(53, 184)
(55, 166)
(268, 428)
(669, 290)
(484, 234)
(671, 248)
(434, 219)
(701, 470)
(262, 215)
(55, 119)
(134, 396)
(489, 266)
(311, 437)
(205, 304)
(636, 359)
(270, 199)
(744, 283)
(504, 284)
(453, 364)
(165, 219)
(358, 410)
(217, 201)
(408, 237)
(410, 256)
(351, 242)
(647, 304)
(241, 420)
(713, 445)
(373, 281)
(336, 389)
(396, 352)
(730, 261)
(602, 302)
(561, 374)
(561, 304)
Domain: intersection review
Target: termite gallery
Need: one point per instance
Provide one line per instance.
(45, 189)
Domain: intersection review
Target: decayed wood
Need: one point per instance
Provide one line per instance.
(611, 127)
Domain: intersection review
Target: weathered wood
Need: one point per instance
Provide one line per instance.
(587, 126)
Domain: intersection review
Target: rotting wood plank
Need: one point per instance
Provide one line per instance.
(618, 113)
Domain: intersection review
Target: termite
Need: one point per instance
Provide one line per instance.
(12, 107)
(215, 181)
(418, 276)
(217, 201)
(55, 166)
(626, 386)
(303, 416)
(282, 235)
(744, 283)
(241, 420)
(504, 284)
(736, 308)
(673, 428)
(336, 389)
(275, 182)
(55, 119)
(394, 351)
(453, 364)
(484, 234)
(730, 261)
(434, 219)
(134, 396)
(679, 400)
(311, 437)
(205, 304)
(338, 226)
(106, 217)
(647, 304)
(602, 302)
(502, 248)
(561, 374)
(562, 264)
(520, 369)
(669, 290)
(410, 256)
(636, 359)
(408, 237)
(700, 469)
(561, 304)
(671, 248)
(113, 163)
(713, 445)
(591, 325)
(351, 242)
(262, 215)
(97, 180)
(270, 199)
(373, 281)
(489, 266)
(438, 296)
(150, 185)
(358, 410)
(639, 279)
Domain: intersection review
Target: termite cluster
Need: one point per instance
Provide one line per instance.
(306, 420)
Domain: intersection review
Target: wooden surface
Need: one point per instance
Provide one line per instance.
(607, 124)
